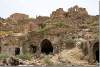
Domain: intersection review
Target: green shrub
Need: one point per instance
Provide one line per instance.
(59, 24)
(3, 56)
(25, 56)
(42, 30)
(47, 61)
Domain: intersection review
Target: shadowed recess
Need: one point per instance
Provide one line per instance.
(46, 46)
(96, 51)
(17, 51)
(33, 49)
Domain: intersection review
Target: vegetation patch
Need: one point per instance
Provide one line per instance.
(3, 56)
(25, 56)
(47, 60)
(59, 24)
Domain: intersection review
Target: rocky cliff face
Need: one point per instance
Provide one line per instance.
(64, 30)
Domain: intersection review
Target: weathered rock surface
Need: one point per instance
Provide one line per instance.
(73, 36)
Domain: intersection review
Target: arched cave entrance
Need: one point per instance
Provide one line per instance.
(17, 51)
(46, 46)
(33, 49)
(96, 51)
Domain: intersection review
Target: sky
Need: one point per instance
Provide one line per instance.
(35, 8)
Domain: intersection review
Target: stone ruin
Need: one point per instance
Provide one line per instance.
(72, 12)
(77, 11)
(59, 13)
(37, 43)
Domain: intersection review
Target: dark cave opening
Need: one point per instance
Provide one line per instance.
(17, 51)
(33, 49)
(46, 47)
(97, 55)
(0, 49)
(96, 51)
